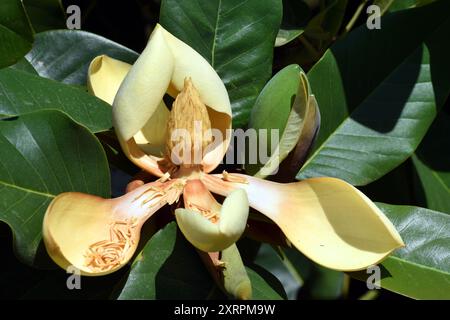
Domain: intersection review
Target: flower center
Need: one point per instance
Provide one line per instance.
(188, 129)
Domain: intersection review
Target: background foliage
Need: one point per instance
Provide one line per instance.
(383, 97)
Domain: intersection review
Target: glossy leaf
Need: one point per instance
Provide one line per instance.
(16, 35)
(25, 66)
(421, 270)
(432, 162)
(375, 114)
(22, 92)
(269, 259)
(45, 14)
(264, 285)
(44, 154)
(236, 37)
(65, 55)
(167, 268)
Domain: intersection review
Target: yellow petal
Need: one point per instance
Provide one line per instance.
(75, 223)
(105, 76)
(327, 219)
(152, 137)
(144, 87)
(146, 162)
(207, 225)
(189, 63)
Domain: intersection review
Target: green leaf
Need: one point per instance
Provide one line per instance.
(45, 14)
(24, 65)
(300, 276)
(235, 36)
(44, 154)
(167, 268)
(285, 104)
(22, 92)
(295, 17)
(16, 36)
(265, 286)
(421, 270)
(393, 5)
(432, 162)
(65, 55)
(269, 259)
(378, 93)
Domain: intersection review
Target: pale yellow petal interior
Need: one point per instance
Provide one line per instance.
(144, 87)
(327, 219)
(105, 75)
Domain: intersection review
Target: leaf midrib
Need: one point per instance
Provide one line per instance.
(213, 49)
(13, 186)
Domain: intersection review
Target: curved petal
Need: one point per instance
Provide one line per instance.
(144, 87)
(78, 227)
(206, 224)
(105, 75)
(144, 161)
(189, 63)
(152, 137)
(327, 219)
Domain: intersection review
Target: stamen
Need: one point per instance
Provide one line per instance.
(207, 213)
(233, 178)
(109, 253)
(164, 178)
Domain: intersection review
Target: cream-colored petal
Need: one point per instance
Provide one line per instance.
(207, 225)
(189, 63)
(152, 137)
(148, 163)
(75, 222)
(144, 87)
(327, 219)
(105, 75)
(234, 214)
(199, 231)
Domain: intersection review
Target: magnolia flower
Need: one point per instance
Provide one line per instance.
(327, 219)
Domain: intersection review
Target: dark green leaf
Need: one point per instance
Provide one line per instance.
(65, 55)
(167, 268)
(432, 162)
(25, 66)
(21, 92)
(16, 36)
(265, 286)
(235, 36)
(269, 259)
(44, 154)
(378, 92)
(45, 14)
(421, 270)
